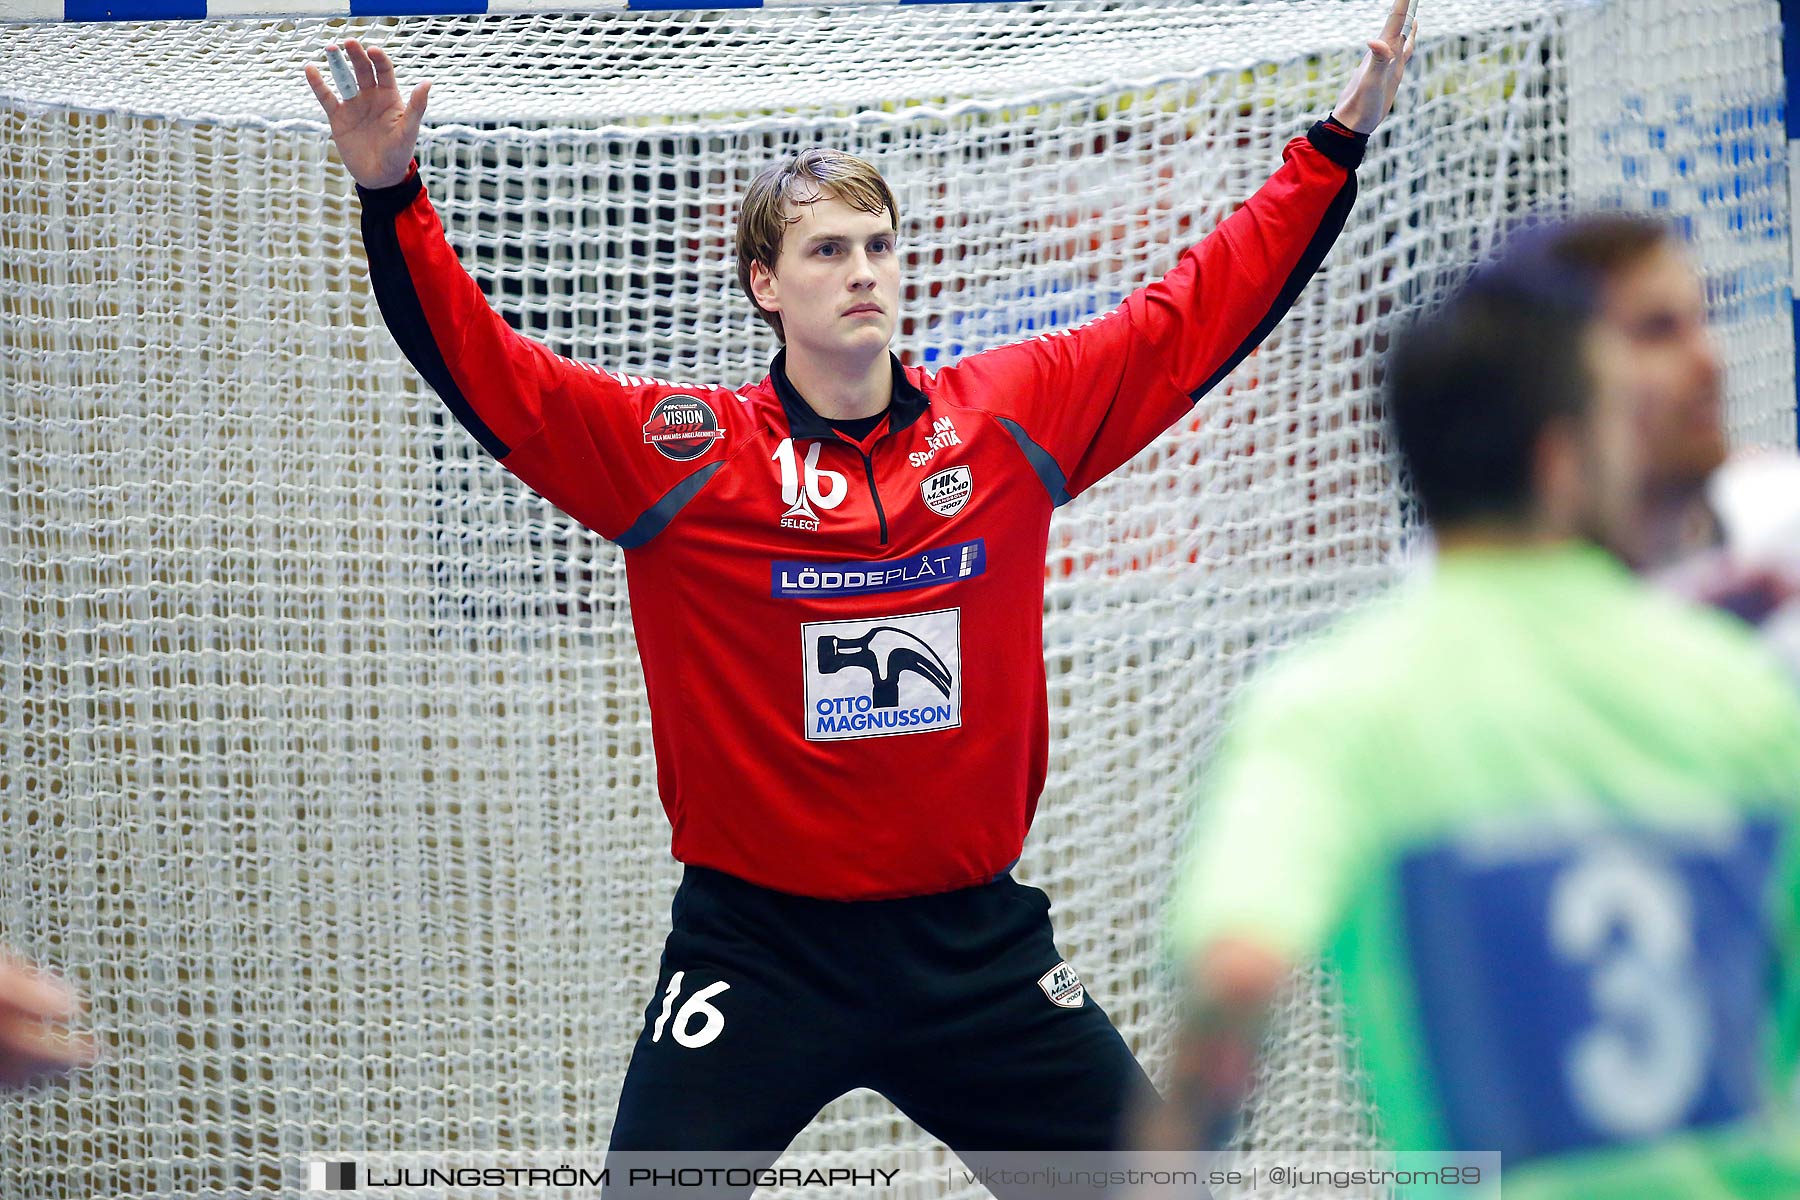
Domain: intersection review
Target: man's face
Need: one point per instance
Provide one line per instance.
(1604, 474)
(837, 281)
(1661, 363)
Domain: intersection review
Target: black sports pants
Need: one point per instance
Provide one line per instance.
(957, 1007)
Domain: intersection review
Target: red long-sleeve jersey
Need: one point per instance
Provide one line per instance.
(843, 641)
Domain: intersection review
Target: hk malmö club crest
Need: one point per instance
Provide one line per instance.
(1063, 986)
(946, 492)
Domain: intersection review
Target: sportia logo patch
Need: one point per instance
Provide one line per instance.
(883, 676)
(944, 564)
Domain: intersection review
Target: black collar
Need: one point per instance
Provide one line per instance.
(907, 406)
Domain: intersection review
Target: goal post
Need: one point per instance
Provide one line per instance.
(114, 11)
(325, 763)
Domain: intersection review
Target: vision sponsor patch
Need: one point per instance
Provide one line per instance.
(940, 565)
(883, 676)
(682, 427)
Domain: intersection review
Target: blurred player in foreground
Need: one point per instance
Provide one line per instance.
(33, 1009)
(1541, 817)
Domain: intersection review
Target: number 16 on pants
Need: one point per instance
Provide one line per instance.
(696, 1007)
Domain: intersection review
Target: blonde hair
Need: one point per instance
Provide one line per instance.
(804, 178)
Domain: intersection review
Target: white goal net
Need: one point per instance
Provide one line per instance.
(324, 757)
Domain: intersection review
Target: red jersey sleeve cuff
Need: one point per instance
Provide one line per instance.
(1338, 142)
(391, 201)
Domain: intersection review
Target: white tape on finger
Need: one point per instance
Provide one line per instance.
(341, 74)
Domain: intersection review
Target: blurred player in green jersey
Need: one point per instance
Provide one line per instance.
(1541, 818)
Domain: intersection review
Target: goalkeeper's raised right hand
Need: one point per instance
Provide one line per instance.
(375, 132)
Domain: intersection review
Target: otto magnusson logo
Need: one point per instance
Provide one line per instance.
(682, 427)
(333, 1177)
(883, 676)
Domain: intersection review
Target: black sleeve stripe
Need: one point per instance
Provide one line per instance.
(1330, 226)
(391, 201)
(1338, 142)
(1042, 462)
(656, 518)
(405, 316)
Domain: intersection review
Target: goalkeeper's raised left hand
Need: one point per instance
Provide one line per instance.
(1369, 95)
